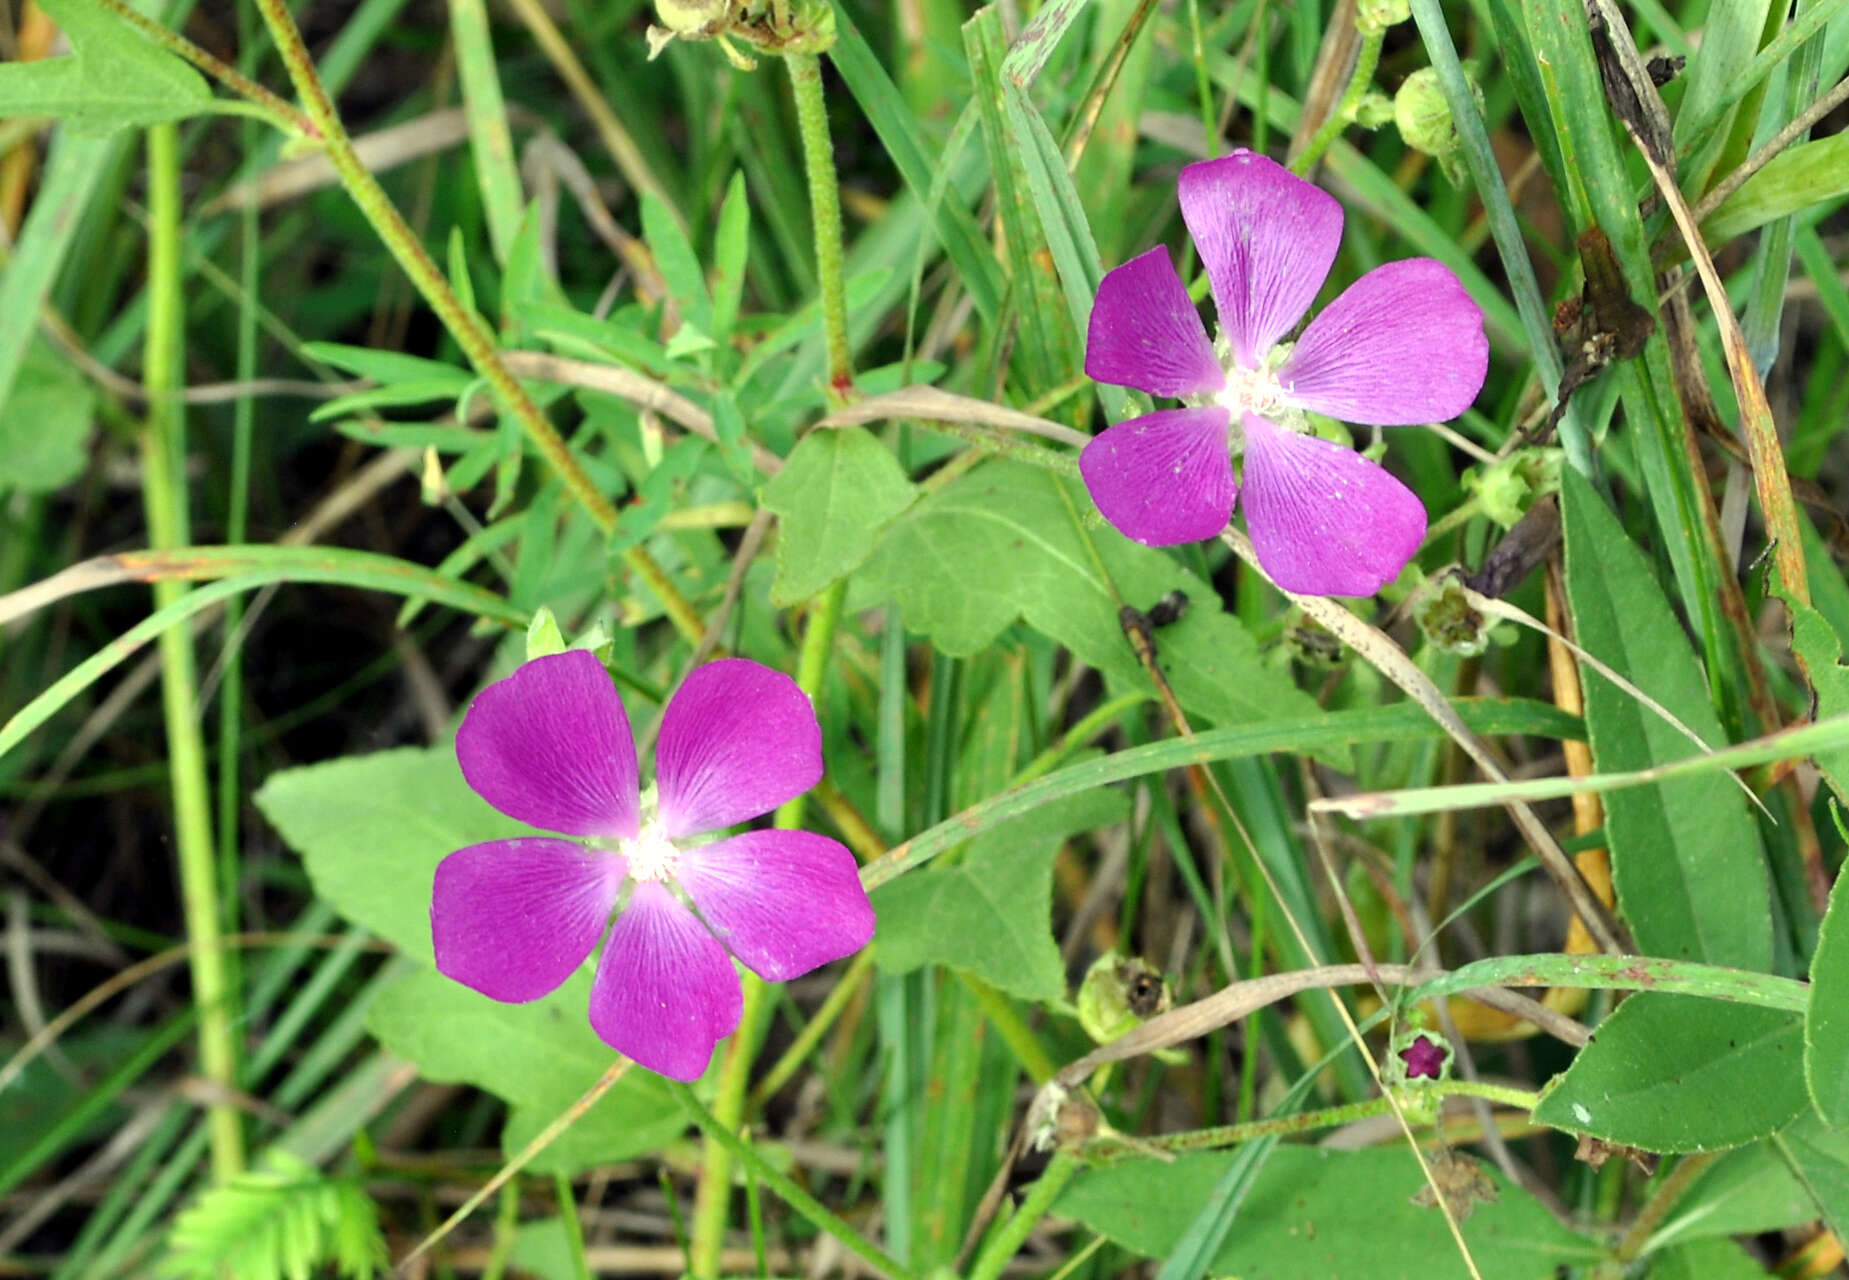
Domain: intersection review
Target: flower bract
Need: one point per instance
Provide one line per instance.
(551, 746)
(1404, 344)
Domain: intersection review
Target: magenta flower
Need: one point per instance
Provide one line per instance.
(550, 745)
(1403, 344)
(1424, 1059)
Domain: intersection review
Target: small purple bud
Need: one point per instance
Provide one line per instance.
(1424, 1059)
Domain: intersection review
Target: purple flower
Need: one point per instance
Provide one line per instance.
(1424, 1059)
(1403, 344)
(550, 745)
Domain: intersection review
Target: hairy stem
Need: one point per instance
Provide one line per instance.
(470, 334)
(1365, 63)
(825, 207)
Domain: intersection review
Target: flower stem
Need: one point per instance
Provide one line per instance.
(1228, 1135)
(1365, 63)
(474, 339)
(793, 1195)
(825, 207)
(163, 449)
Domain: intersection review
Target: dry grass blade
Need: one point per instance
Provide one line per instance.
(934, 405)
(1386, 657)
(1522, 618)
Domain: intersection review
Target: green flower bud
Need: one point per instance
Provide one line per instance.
(1374, 16)
(1424, 119)
(1119, 993)
(1507, 488)
(1374, 110)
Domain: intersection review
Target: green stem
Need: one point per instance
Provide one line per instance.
(163, 449)
(1007, 1241)
(713, 1197)
(825, 208)
(1228, 1135)
(1365, 63)
(467, 329)
(793, 1195)
(284, 115)
(574, 1229)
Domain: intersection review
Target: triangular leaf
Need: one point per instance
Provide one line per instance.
(115, 78)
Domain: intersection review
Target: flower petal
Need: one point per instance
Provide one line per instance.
(785, 902)
(1268, 239)
(1165, 477)
(514, 918)
(1403, 344)
(1325, 520)
(1145, 332)
(737, 740)
(550, 745)
(665, 991)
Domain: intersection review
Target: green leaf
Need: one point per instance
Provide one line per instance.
(115, 78)
(1745, 1192)
(371, 830)
(1705, 1260)
(1819, 1160)
(1314, 1212)
(283, 1219)
(1826, 1020)
(991, 913)
(44, 424)
(389, 367)
(1807, 174)
(539, 1057)
(1686, 854)
(834, 495)
(1009, 541)
(887, 114)
(680, 267)
(1821, 648)
(1680, 1073)
(731, 244)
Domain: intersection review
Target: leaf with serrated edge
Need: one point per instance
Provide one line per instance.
(1681, 1073)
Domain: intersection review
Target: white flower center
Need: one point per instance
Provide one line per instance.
(651, 855)
(1251, 391)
